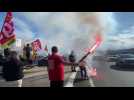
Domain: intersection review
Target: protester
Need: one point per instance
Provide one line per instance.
(35, 58)
(2, 59)
(56, 68)
(28, 52)
(6, 52)
(13, 70)
(21, 58)
(83, 70)
(72, 59)
(24, 52)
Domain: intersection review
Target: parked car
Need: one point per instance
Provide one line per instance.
(112, 58)
(125, 60)
(99, 58)
(43, 61)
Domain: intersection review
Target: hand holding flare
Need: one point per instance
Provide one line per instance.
(98, 42)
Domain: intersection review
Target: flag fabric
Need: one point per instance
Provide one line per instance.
(7, 35)
(36, 45)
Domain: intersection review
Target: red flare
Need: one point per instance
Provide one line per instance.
(93, 48)
(98, 42)
(93, 72)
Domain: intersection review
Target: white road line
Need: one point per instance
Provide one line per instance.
(71, 79)
(91, 82)
(89, 76)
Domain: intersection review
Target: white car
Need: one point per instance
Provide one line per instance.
(112, 58)
(125, 60)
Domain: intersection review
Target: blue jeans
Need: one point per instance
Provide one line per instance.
(83, 72)
(35, 62)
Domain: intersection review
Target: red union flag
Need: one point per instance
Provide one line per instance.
(36, 45)
(7, 35)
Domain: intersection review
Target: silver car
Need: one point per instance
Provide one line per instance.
(125, 60)
(112, 58)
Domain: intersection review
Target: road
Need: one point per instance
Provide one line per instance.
(109, 75)
(37, 77)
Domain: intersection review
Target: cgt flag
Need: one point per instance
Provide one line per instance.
(7, 35)
(36, 45)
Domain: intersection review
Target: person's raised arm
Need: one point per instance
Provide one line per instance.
(66, 62)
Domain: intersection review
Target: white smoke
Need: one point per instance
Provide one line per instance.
(93, 23)
(76, 30)
(96, 24)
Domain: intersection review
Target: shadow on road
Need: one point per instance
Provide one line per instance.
(78, 80)
(122, 68)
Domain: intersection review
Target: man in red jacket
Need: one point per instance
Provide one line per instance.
(56, 68)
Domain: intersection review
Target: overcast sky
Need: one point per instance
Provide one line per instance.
(60, 28)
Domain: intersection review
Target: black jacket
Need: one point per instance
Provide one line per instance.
(6, 52)
(72, 58)
(28, 50)
(12, 70)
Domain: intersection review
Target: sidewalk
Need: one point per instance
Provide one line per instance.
(36, 77)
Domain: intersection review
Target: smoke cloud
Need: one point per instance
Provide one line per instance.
(68, 30)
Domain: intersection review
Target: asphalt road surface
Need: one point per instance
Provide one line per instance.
(108, 75)
(37, 79)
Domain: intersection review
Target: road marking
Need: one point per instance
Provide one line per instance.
(89, 76)
(71, 79)
(91, 82)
